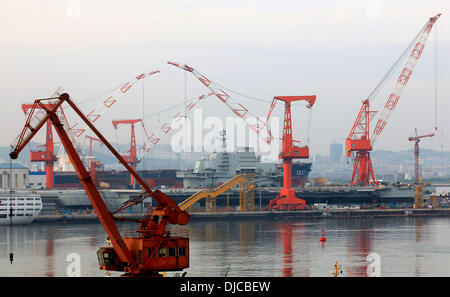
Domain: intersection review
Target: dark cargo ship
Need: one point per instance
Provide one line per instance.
(121, 179)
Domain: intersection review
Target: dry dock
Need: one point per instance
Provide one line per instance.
(270, 215)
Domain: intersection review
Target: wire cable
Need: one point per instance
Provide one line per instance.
(394, 67)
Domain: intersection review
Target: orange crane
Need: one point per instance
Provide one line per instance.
(287, 200)
(416, 140)
(93, 164)
(132, 158)
(48, 155)
(359, 139)
(154, 250)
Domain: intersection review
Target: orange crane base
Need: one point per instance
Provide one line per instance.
(287, 201)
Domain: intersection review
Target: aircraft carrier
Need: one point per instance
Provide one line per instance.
(385, 196)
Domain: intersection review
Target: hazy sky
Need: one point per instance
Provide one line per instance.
(337, 50)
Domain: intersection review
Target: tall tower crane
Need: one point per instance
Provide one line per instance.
(154, 250)
(359, 140)
(416, 140)
(132, 158)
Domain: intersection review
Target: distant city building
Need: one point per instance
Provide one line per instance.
(336, 151)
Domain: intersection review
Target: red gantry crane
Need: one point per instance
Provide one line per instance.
(132, 158)
(359, 139)
(154, 250)
(416, 140)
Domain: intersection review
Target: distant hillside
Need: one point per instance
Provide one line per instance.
(436, 157)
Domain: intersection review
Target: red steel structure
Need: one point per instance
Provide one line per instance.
(47, 156)
(359, 140)
(287, 200)
(153, 250)
(416, 140)
(132, 158)
(94, 165)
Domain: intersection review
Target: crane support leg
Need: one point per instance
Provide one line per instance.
(363, 169)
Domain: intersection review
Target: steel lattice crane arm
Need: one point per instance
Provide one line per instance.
(164, 129)
(95, 113)
(359, 139)
(403, 79)
(259, 127)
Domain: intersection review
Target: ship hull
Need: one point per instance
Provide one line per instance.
(121, 179)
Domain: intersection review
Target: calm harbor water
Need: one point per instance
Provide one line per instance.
(406, 247)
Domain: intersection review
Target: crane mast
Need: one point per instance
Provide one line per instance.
(93, 164)
(359, 139)
(286, 200)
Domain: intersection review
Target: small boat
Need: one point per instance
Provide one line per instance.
(19, 208)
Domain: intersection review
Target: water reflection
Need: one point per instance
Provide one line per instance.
(360, 247)
(418, 228)
(418, 232)
(249, 248)
(286, 238)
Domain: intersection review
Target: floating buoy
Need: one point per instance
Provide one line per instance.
(323, 239)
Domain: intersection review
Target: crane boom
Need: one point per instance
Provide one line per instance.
(403, 79)
(95, 113)
(92, 163)
(152, 139)
(259, 127)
